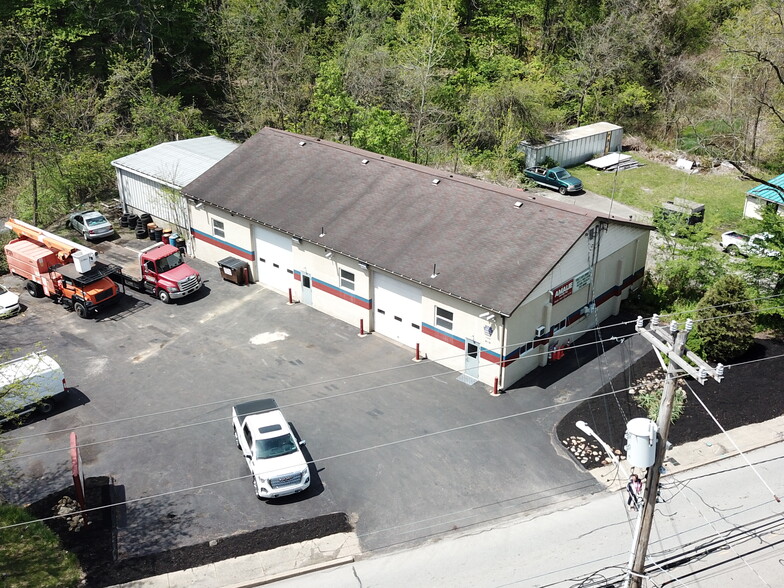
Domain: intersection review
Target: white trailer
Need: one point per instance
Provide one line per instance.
(29, 383)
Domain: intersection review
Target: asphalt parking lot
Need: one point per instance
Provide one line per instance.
(404, 448)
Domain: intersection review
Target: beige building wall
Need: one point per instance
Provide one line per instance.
(217, 234)
(457, 334)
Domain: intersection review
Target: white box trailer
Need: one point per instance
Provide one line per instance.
(575, 146)
(29, 383)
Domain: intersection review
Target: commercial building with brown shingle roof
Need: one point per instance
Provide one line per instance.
(483, 278)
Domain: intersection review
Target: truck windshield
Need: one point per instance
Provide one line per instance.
(169, 262)
(563, 174)
(275, 446)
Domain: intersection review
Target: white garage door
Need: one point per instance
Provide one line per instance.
(397, 309)
(273, 258)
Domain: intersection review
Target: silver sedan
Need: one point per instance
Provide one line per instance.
(91, 224)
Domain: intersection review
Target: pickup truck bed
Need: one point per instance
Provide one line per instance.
(254, 407)
(271, 451)
(556, 178)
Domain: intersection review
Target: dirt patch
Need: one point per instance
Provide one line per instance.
(749, 393)
(94, 544)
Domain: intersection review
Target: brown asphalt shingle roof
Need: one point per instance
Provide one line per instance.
(388, 213)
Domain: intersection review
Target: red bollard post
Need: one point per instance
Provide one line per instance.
(291, 299)
(495, 387)
(361, 326)
(416, 357)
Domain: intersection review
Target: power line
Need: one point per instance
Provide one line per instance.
(289, 389)
(179, 427)
(597, 329)
(722, 538)
(735, 445)
(326, 458)
(230, 400)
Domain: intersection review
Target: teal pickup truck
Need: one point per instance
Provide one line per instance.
(556, 178)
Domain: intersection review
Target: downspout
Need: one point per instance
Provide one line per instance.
(501, 371)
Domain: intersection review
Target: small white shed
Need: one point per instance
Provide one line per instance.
(575, 146)
(150, 180)
(757, 199)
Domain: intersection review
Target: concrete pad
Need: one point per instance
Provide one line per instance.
(261, 568)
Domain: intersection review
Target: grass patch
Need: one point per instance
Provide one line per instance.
(646, 187)
(31, 555)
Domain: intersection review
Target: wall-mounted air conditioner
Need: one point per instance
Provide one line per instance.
(540, 331)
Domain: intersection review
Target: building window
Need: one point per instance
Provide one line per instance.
(217, 228)
(444, 318)
(346, 280)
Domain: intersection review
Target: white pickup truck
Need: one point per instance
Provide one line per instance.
(736, 243)
(270, 449)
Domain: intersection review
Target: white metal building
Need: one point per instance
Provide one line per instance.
(487, 280)
(762, 196)
(575, 146)
(150, 180)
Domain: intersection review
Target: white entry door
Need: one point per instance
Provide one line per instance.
(471, 359)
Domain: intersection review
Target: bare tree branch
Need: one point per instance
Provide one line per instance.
(737, 166)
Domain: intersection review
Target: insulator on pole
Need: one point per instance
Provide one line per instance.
(655, 320)
(689, 325)
(639, 323)
(673, 326)
(719, 370)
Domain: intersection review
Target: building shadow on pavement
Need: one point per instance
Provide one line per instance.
(586, 348)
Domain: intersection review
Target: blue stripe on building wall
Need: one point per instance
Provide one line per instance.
(575, 316)
(365, 303)
(221, 244)
(341, 293)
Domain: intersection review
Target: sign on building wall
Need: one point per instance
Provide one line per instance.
(582, 280)
(562, 291)
(568, 288)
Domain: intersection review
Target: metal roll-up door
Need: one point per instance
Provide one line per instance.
(397, 309)
(274, 258)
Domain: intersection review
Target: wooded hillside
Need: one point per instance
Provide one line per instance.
(454, 83)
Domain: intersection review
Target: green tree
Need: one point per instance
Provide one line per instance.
(382, 131)
(268, 71)
(27, 72)
(687, 263)
(331, 108)
(427, 47)
(726, 319)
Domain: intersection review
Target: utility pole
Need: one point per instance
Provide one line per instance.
(672, 344)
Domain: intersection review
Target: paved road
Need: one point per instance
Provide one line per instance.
(404, 448)
(719, 527)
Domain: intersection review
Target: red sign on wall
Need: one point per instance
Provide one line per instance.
(562, 291)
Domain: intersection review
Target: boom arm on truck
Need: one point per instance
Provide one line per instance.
(65, 271)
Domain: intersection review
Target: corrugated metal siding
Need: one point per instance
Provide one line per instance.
(177, 163)
(147, 195)
(573, 152)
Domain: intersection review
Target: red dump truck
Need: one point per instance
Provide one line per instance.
(64, 271)
(159, 270)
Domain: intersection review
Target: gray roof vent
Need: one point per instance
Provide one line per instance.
(365, 161)
(302, 143)
(436, 181)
